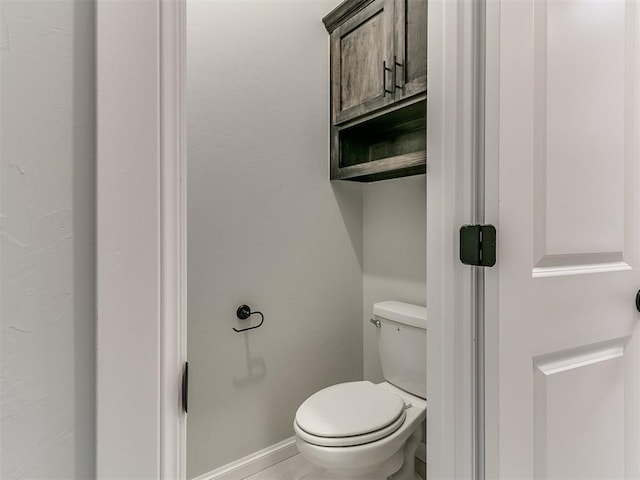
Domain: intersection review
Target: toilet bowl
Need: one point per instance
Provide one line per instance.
(366, 431)
(346, 452)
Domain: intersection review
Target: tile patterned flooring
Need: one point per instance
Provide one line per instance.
(293, 468)
(297, 468)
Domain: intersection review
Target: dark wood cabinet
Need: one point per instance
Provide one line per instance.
(411, 46)
(378, 88)
(360, 49)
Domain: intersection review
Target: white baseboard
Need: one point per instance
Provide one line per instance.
(253, 463)
(258, 461)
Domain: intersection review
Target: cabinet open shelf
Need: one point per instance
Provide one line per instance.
(386, 146)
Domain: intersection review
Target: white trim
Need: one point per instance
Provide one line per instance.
(128, 241)
(451, 182)
(173, 237)
(491, 201)
(254, 463)
(141, 322)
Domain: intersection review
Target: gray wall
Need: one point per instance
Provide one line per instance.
(47, 239)
(394, 253)
(265, 226)
(289, 242)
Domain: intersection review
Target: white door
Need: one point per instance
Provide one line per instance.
(562, 153)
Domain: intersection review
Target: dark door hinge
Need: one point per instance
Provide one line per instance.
(478, 245)
(185, 387)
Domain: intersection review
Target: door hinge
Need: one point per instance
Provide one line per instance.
(185, 387)
(478, 245)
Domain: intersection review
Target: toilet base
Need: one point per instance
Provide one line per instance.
(401, 466)
(408, 469)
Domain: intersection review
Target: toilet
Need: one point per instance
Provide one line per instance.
(369, 431)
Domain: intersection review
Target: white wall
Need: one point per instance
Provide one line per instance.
(47, 313)
(394, 253)
(266, 227)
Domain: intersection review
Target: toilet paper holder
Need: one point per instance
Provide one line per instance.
(244, 312)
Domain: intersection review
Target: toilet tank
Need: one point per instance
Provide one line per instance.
(402, 345)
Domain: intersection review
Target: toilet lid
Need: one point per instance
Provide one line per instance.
(350, 441)
(349, 409)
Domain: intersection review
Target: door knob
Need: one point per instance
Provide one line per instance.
(638, 301)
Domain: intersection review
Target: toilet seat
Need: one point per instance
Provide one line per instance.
(351, 441)
(349, 414)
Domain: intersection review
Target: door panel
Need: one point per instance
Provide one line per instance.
(580, 159)
(360, 48)
(579, 413)
(360, 73)
(411, 46)
(565, 83)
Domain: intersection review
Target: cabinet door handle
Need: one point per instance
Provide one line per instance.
(385, 69)
(395, 73)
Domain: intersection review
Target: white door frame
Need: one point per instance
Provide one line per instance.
(141, 251)
(491, 42)
(454, 442)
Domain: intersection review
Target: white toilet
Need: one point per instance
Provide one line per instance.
(367, 431)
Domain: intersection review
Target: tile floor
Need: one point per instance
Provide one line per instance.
(297, 468)
(293, 468)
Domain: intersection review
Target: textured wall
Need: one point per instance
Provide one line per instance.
(394, 252)
(266, 226)
(47, 313)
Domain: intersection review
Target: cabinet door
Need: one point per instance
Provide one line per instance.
(360, 49)
(411, 47)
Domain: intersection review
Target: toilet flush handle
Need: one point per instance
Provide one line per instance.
(376, 322)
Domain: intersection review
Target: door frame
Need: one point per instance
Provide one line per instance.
(491, 182)
(141, 232)
(455, 435)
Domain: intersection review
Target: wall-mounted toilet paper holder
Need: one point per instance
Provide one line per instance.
(244, 312)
